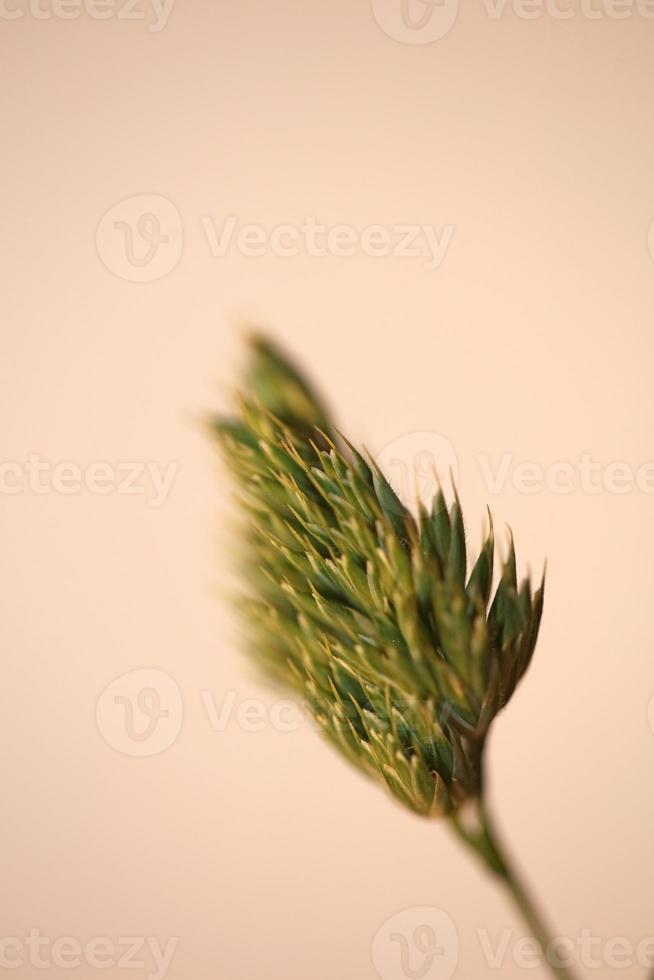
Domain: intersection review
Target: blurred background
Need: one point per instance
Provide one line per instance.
(444, 213)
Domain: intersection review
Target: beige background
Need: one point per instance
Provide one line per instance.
(262, 852)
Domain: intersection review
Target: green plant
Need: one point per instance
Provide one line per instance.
(370, 614)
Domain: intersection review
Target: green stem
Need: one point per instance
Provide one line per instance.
(475, 827)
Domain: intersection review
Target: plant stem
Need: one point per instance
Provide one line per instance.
(475, 827)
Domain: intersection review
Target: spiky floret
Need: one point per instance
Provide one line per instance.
(368, 613)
